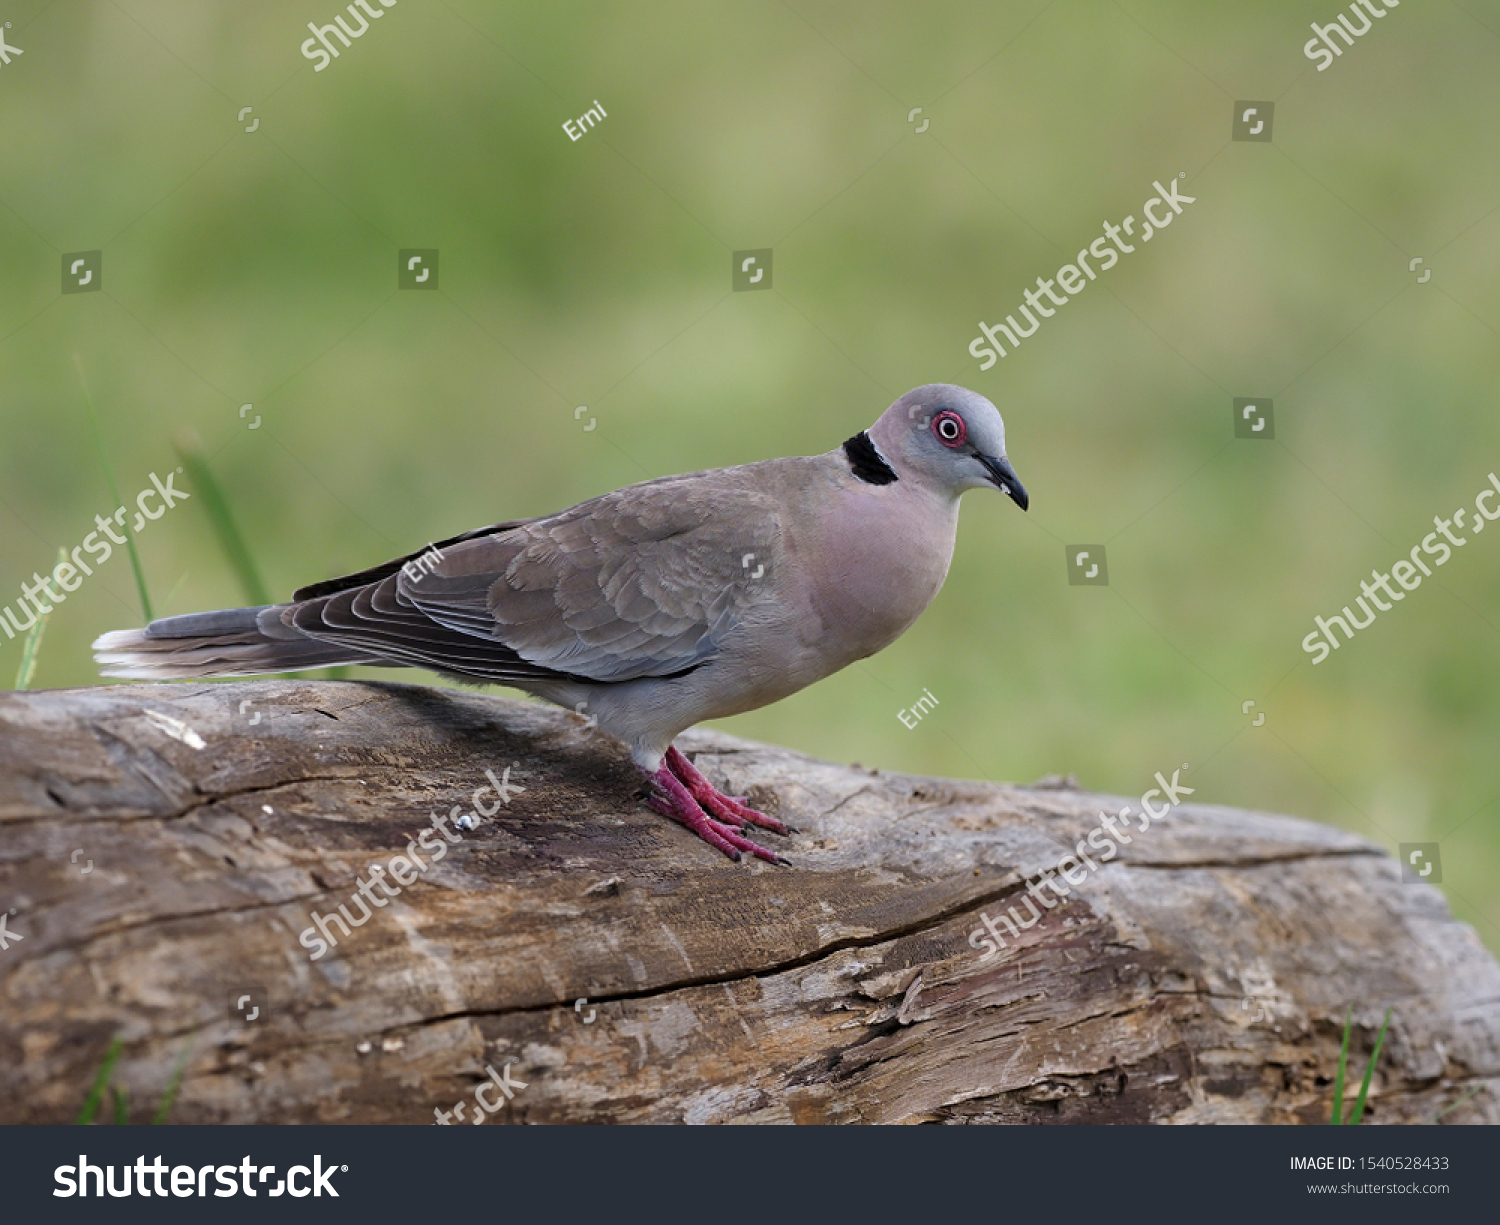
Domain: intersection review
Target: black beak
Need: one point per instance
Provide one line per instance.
(1005, 478)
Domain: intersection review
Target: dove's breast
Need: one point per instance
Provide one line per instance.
(872, 561)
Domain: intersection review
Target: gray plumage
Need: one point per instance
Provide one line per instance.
(659, 605)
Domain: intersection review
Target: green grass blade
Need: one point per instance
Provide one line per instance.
(114, 492)
(1471, 1093)
(106, 1070)
(33, 643)
(1338, 1076)
(28, 652)
(122, 1105)
(179, 1067)
(176, 587)
(1364, 1088)
(216, 505)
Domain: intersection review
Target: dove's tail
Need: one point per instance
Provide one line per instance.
(230, 642)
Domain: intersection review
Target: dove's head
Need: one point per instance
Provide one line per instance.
(947, 438)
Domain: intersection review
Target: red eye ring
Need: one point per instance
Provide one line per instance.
(949, 428)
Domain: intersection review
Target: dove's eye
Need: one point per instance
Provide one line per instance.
(949, 428)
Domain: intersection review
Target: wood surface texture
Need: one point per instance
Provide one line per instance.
(1200, 977)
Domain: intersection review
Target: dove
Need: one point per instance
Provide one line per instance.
(655, 607)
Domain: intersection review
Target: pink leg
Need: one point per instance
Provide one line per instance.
(672, 799)
(727, 808)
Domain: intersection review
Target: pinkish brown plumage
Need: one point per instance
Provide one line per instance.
(654, 607)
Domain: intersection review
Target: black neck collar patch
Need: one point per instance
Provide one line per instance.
(867, 463)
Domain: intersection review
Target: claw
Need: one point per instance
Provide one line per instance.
(680, 791)
(724, 807)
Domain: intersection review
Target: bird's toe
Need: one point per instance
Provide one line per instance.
(730, 809)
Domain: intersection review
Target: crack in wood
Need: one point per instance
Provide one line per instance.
(842, 990)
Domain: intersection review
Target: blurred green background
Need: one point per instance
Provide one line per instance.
(260, 268)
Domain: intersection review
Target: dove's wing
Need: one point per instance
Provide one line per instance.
(643, 582)
(374, 574)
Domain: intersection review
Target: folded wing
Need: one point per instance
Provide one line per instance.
(643, 582)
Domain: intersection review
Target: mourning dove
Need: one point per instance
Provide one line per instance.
(654, 607)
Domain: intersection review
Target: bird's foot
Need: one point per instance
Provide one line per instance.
(680, 791)
(728, 808)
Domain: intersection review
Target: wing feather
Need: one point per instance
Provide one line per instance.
(643, 582)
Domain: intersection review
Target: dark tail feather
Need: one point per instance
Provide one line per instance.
(229, 642)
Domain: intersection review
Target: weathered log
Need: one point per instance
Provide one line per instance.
(164, 850)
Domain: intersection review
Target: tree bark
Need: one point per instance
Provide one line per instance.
(164, 850)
